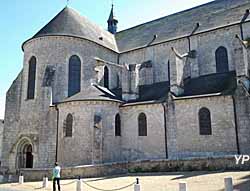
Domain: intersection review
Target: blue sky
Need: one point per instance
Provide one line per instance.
(20, 20)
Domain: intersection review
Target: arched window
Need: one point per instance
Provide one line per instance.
(69, 125)
(106, 77)
(31, 78)
(205, 121)
(221, 60)
(74, 83)
(117, 125)
(142, 124)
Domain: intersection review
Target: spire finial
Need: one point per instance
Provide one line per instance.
(67, 3)
(112, 21)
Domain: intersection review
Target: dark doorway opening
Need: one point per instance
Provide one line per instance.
(29, 156)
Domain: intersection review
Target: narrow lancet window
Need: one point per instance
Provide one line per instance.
(117, 125)
(205, 121)
(74, 79)
(31, 78)
(221, 60)
(69, 126)
(142, 124)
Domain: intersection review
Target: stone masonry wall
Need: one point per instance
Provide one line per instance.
(79, 149)
(11, 120)
(223, 138)
(152, 146)
(242, 108)
(34, 120)
(1, 139)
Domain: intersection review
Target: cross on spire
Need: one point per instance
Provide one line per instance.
(67, 2)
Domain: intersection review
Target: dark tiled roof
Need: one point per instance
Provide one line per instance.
(93, 93)
(224, 83)
(71, 23)
(210, 15)
(153, 92)
(117, 92)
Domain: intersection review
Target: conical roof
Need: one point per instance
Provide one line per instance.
(111, 15)
(69, 22)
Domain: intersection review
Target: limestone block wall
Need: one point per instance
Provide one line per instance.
(242, 108)
(57, 51)
(81, 147)
(152, 146)
(11, 125)
(1, 138)
(36, 120)
(209, 42)
(223, 138)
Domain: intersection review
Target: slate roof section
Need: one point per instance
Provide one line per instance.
(224, 83)
(70, 23)
(211, 15)
(154, 92)
(93, 93)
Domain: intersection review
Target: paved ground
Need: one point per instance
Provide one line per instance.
(197, 181)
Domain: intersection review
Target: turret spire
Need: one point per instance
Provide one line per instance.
(112, 21)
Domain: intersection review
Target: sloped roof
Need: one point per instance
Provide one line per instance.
(69, 22)
(224, 83)
(94, 93)
(209, 16)
(154, 92)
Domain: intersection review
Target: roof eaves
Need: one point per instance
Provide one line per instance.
(196, 96)
(72, 36)
(86, 100)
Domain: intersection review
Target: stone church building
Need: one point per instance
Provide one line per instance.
(174, 87)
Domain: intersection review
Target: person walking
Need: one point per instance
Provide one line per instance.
(56, 177)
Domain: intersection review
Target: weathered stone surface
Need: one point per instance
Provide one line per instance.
(1, 138)
(172, 122)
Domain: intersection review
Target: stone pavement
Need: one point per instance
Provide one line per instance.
(197, 181)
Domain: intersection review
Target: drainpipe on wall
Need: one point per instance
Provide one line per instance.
(236, 127)
(57, 130)
(165, 128)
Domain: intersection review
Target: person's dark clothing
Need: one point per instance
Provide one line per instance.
(56, 180)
